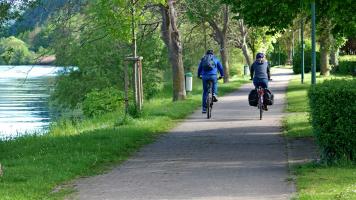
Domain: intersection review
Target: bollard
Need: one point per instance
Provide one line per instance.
(188, 81)
(246, 70)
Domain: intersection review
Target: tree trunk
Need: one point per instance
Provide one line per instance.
(225, 60)
(334, 57)
(325, 45)
(324, 60)
(171, 37)
(243, 32)
(221, 39)
(246, 55)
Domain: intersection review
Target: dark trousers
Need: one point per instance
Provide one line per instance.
(205, 79)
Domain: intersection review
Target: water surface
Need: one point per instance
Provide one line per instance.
(24, 93)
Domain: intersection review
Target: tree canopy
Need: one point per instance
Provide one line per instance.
(279, 14)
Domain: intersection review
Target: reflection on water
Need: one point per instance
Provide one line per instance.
(24, 92)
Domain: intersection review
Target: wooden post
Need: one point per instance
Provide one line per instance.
(137, 81)
(135, 88)
(140, 86)
(126, 78)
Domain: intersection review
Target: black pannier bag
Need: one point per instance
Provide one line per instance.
(268, 97)
(253, 98)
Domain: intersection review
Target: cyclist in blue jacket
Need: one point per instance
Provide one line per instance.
(208, 70)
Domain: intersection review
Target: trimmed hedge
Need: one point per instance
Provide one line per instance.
(347, 65)
(333, 117)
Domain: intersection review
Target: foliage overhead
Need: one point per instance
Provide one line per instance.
(12, 9)
(276, 14)
(279, 14)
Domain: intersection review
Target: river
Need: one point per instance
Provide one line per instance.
(24, 93)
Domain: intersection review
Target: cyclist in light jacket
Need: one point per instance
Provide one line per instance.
(260, 73)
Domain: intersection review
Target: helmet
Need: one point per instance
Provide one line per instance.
(260, 55)
(210, 51)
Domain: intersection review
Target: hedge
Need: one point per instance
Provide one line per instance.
(333, 117)
(347, 65)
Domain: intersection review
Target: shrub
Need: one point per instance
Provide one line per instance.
(333, 119)
(347, 65)
(72, 87)
(297, 59)
(274, 57)
(103, 101)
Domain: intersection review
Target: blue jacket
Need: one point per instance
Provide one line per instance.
(214, 71)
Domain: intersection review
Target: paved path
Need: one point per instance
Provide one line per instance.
(234, 155)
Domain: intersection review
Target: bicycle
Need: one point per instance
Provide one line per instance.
(260, 104)
(209, 99)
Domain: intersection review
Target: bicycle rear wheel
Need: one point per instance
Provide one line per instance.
(209, 102)
(260, 105)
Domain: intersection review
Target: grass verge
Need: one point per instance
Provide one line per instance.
(296, 123)
(314, 181)
(317, 182)
(37, 167)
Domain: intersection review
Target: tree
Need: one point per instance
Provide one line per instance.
(96, 44)
(11, 9)
(37, 15)
(332, 17)
(240, 38)
(121, 28)
(256, 39)
(172, 39)
(217, 15)
(14, 51)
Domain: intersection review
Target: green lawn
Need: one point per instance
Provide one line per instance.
(36, 166)
(314, 181)
(296, 124)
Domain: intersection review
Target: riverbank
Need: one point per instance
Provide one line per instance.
(37, 167)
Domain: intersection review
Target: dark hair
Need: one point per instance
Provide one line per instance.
(260, 55)
(210, 51)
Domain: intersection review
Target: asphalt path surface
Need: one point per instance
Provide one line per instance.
(233, 155)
